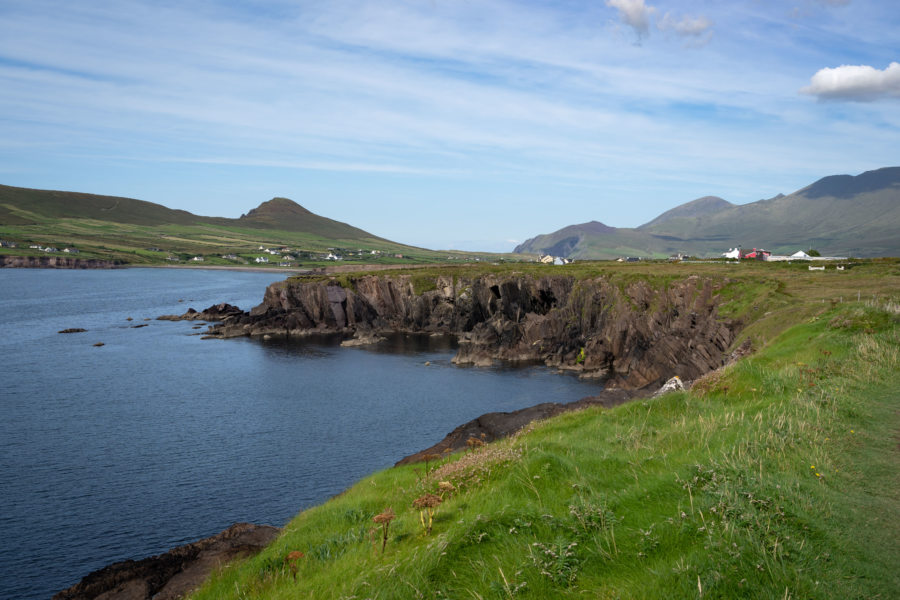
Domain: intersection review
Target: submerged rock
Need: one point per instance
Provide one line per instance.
(72, 330)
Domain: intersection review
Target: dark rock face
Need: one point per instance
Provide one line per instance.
(173, 574)
(634, 336)
(493, 426)
(216, 312)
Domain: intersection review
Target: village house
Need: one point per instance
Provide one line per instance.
(547, 259)
(230, 256)
(197, 259)
(70, 250)
(262, 259)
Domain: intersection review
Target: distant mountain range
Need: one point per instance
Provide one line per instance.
(840, 215)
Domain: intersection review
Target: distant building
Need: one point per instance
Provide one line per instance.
(800, 255)
(547, 259)
(262, 259)
(755, 254)
(50, 249)
(230, 256)
(197, 259)
(733, 253)
(70, 250)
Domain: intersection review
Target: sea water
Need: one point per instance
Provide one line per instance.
(158, 437)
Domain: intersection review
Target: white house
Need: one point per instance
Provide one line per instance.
(262, 259)
(733, 253)
(800, 255)
(546, 259)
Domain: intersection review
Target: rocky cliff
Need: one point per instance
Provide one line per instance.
(633, 334)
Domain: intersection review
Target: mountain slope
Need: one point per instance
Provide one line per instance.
(695, 209)
(130, 231)
(282, 213)
(24, 206)
(838, 215)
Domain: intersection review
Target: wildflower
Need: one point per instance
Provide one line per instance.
(446, 487)
(384, 519)
(291, 561)
(426, 505)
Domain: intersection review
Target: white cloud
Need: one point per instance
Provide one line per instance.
(860, 83)
(699, 28)
(635, 14)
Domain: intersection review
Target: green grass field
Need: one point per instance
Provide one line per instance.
(131, 244)
(776, 477)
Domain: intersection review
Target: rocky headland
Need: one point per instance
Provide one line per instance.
(175, 573)
(632, 335)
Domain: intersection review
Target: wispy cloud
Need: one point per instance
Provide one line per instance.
(479, 105)
(635, 14)
(860, 83)
(697, 29)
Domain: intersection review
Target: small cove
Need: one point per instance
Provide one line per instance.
(159, 438)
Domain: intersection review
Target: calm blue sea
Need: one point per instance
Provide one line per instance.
(159, 438)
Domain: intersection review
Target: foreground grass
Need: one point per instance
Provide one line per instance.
(774, 478)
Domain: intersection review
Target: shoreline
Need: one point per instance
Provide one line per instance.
(66, 262)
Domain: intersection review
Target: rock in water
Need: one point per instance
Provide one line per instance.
(175, 573)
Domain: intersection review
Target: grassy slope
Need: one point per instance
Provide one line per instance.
(122, 229)
(774, 478)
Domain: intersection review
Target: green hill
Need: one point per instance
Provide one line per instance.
(772, 478)
(840, 215)
(282, 213)
(133, 231)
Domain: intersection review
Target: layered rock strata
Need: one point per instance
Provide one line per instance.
(633, 334)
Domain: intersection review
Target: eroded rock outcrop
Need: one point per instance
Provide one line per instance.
(634, 334)
(216, 312)
(497, 425)
(175, 573)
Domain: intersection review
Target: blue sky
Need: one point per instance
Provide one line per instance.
(469, 124)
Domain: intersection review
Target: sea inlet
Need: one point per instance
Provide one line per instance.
(157, 437)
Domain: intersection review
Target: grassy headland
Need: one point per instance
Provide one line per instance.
(776, 477)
